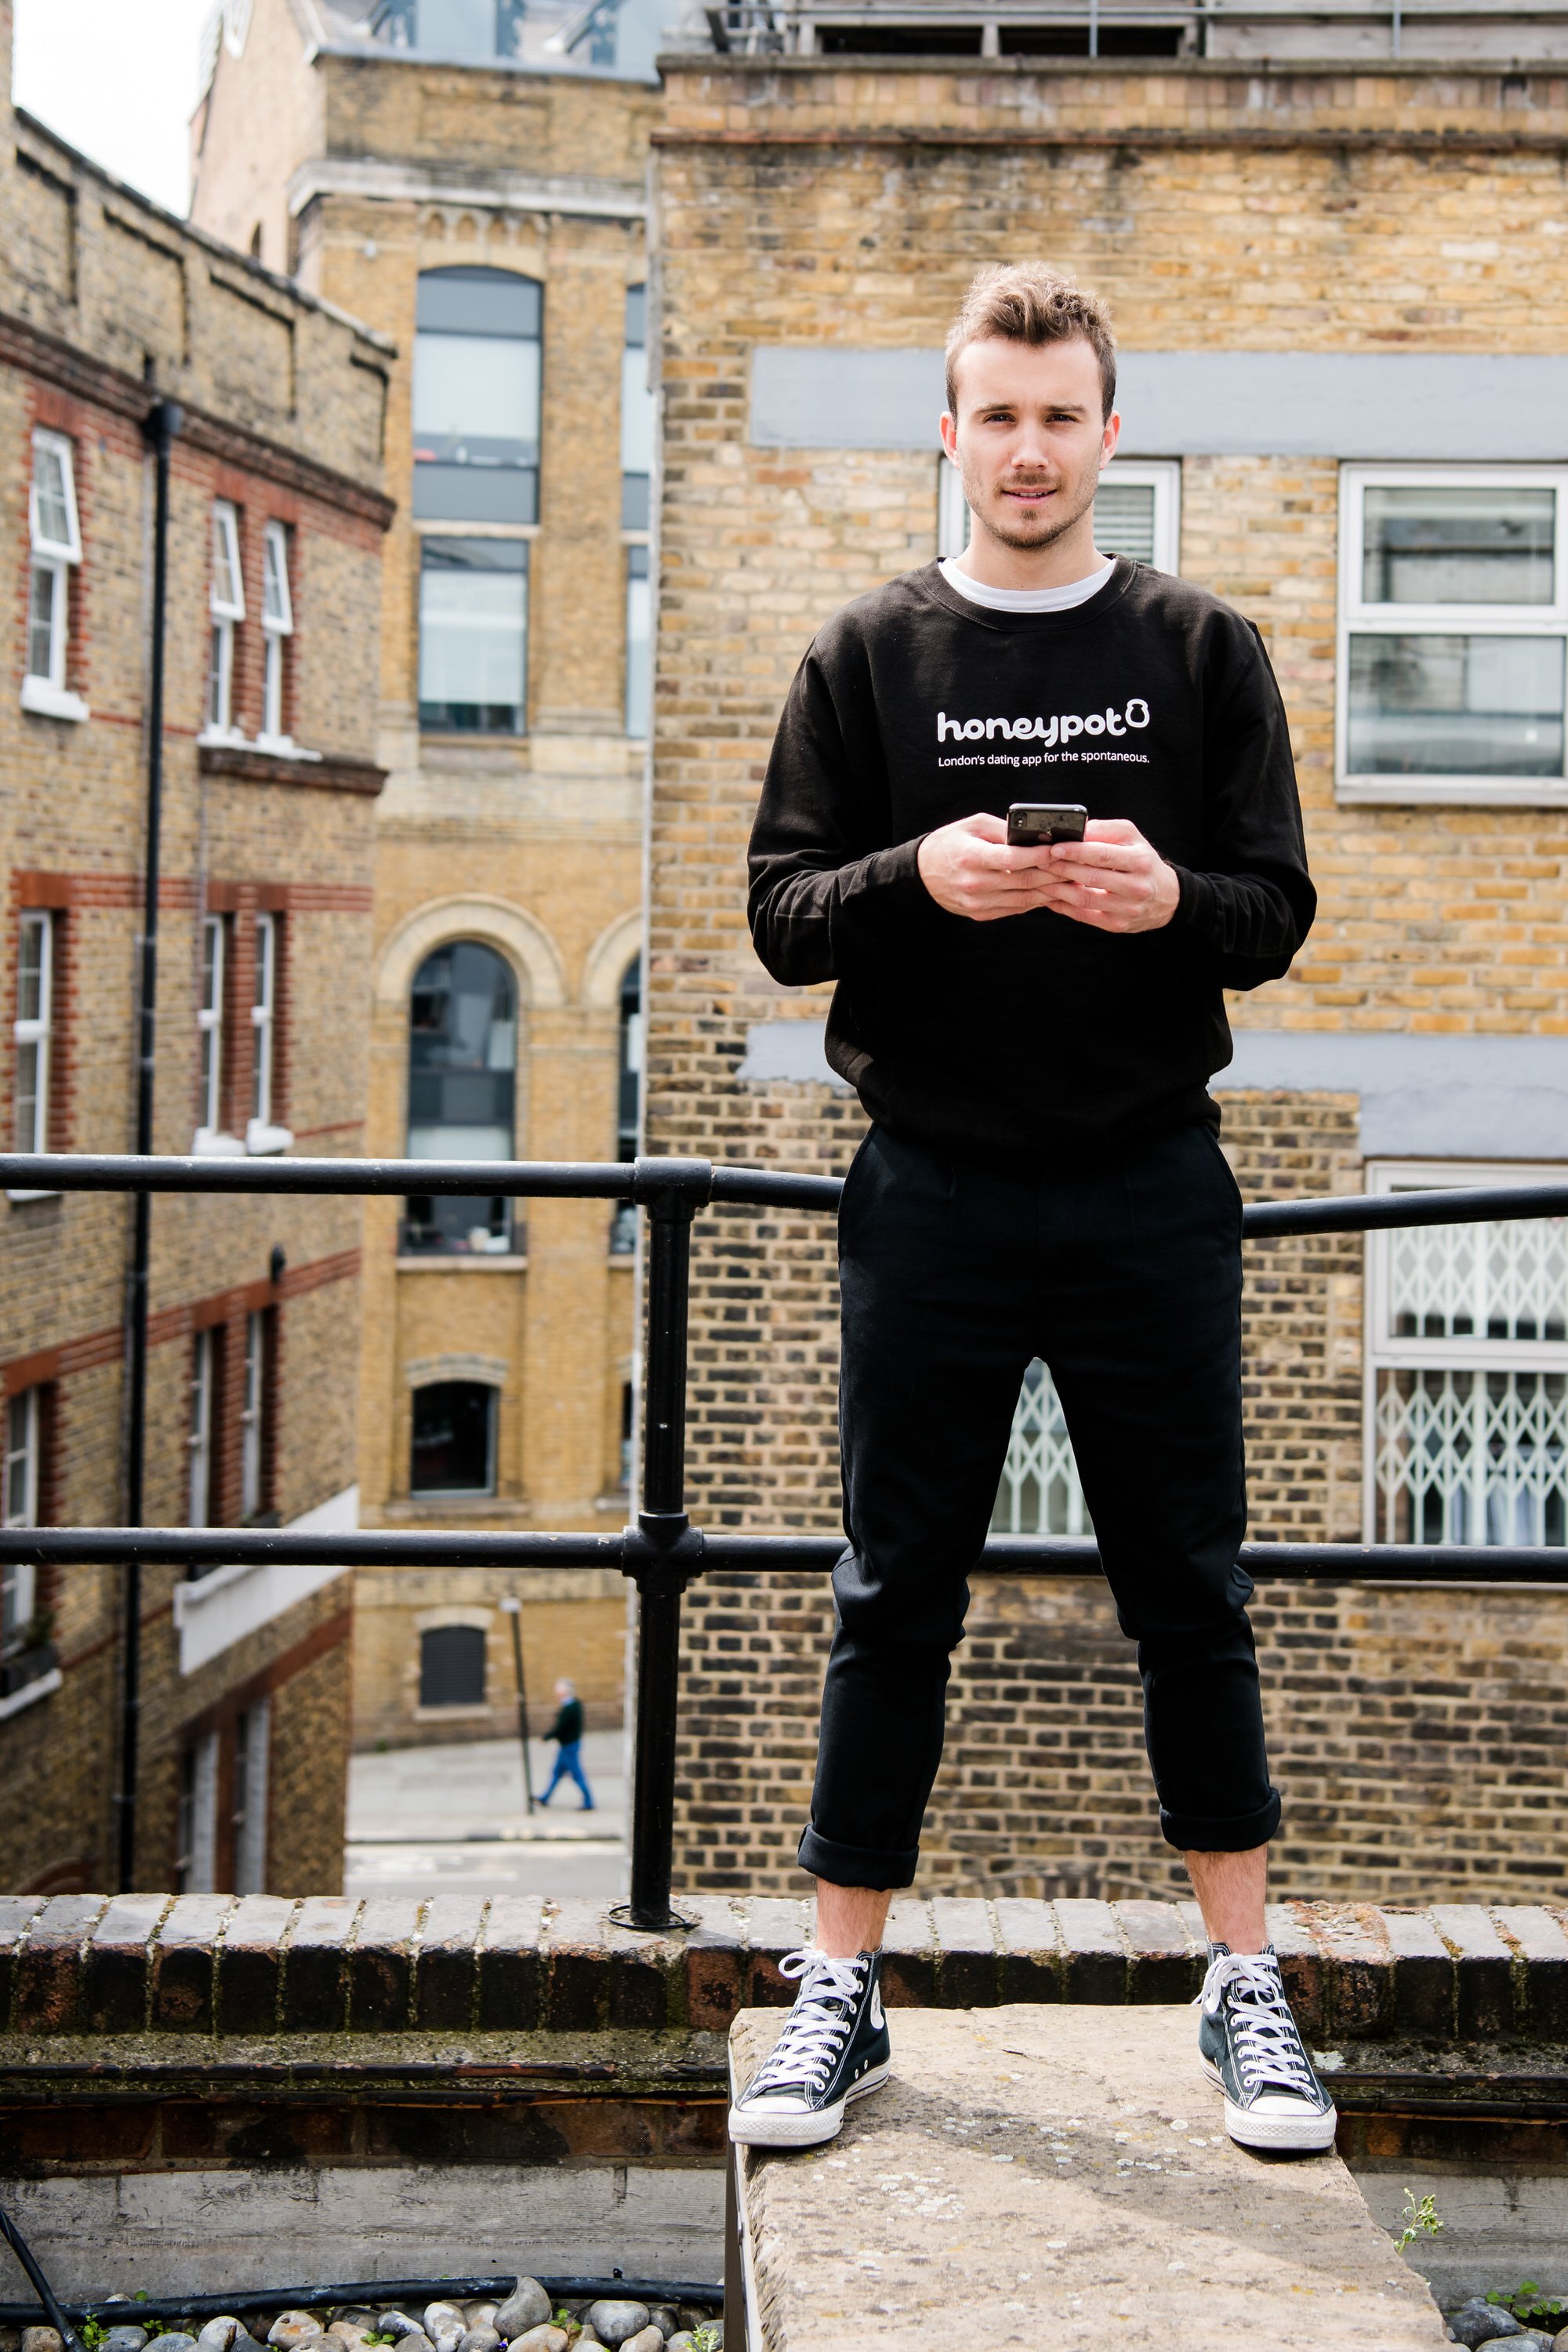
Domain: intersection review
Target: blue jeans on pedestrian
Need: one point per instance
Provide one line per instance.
(569, 1766)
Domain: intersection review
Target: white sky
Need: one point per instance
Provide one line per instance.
(117, 79)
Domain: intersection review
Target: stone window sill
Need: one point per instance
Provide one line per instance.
(48, 701)
(463, 1262)
(43, 1685)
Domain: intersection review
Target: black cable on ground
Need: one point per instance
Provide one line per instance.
(50, 2309)
(131, 2312)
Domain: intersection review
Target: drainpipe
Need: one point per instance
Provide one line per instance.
(161, 426)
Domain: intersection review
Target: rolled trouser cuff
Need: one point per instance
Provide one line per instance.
(1227, 1833)
(855, 1865)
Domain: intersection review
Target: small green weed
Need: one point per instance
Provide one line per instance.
(1420, 2221)
(1527, 2302)
(707, 2339)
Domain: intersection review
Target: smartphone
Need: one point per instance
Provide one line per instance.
(1032, 825)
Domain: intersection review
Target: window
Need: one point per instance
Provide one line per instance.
(1137, 512)
(452, 1667)
(473, 636)
(1467, 1373)
(24, 1437)
(262, 1132)
(199, 1435)
(639, 632)
(247, 1817)
(475, 396)
(1039, 1494)
(462, 1079)
(209, 1029)
(1453, 634)
(638, 411)
(56, 535)
(252, 1420)
(454, 1439)
(473, 30)
(952, 515)
(624, 1223)
(227, 608)
(35, 1010)
(277, 628)
(196, 1830)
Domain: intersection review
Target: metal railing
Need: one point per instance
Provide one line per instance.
(1000, 27)
(662, 1551)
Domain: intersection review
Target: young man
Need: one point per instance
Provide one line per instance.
(1032, 1031)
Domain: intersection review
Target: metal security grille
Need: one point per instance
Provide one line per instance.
(452, 1667)
(1040, 1493)
(1472, 1457)
(1469, 1365)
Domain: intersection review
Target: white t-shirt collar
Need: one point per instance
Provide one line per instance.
(1026, 600)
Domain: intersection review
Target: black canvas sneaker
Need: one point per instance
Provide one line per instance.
(834, 2048)
(1251, 2050)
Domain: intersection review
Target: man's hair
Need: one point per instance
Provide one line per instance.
(1029, 302)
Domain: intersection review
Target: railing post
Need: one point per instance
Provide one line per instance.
(663, 1548)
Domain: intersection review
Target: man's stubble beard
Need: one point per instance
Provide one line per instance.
(1024, 542)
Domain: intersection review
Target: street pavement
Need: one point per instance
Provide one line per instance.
(431, 1821)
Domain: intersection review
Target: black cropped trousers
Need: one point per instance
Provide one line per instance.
(1125, 1276)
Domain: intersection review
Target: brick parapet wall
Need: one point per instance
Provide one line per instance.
(170, 1971)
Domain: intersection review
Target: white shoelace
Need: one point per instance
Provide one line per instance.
(807, 2050)
(1263, 2033)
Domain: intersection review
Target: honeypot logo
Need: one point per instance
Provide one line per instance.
(1059, 729)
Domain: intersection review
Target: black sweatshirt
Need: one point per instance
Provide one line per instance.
(1033, 1035)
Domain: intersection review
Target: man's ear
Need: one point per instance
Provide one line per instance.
(949, 431)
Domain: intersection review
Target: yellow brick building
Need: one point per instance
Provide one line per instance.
(108, 307)
(1341, 296)
(473, 180)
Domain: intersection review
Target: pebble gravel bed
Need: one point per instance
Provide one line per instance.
(526, 2321)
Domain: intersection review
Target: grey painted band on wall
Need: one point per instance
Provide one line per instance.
(1444, 407)
(1422, 1098)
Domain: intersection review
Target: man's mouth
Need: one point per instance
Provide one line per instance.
(1028, 493)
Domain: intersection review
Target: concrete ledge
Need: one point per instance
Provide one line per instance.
(1034, 2177)
(177, 1969)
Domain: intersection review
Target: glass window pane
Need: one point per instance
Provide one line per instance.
(51, 498)
(475, 400)
(453, 1421)
(456, 29)
(1456, 706)
(636, 411)
(32, 968)
(29, 1074)
(640, 622)
(1435, 546)
(473, 616)
(274, 581)
(43, 607)
(477, 301)
(1491, 1281)
(1124, 520)
(227, 588)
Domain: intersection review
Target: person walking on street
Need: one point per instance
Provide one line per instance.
(568, 1732)
(1032, 1029)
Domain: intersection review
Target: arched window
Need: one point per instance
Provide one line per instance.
(462, 1080)
(624, 1224)
(476, 461)
(453, 1448)
(452, 1667)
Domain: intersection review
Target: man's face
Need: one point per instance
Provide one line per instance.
(1030, 436)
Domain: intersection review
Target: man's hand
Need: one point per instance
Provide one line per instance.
(1113, 879)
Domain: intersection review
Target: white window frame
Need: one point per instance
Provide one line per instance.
(1356, 617)
(36, 1030)
(23, 1435)
(277, 628)
(227, 611)
(199, 1433)
(1162, 475)
(211, 981)
(1471, 1351)
(45, 691)
(252, 1408)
